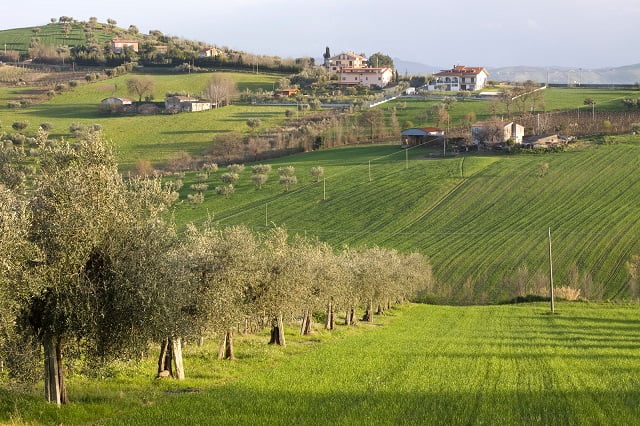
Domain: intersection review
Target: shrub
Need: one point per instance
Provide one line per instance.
(210, 167)
(13, 104)
(74, 83)
(199, 187)
(225, 190)
(567, 293)
(20, 125)
(194, 199)
(261, 169)
(286, 171)
(287, 181)
(25, 103)
(259, 180)
(46, 126)
(201, 177)
(18, 138)
(230, 178)
(174, 185)
(317, 172)
(60, 87)
(143, 168)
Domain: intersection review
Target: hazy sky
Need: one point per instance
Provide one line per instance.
(573, 33)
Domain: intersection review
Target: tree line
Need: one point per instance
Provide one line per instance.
(92, 269)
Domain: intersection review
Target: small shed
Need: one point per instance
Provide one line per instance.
(285, 93)
(114, 100)
(418, 136)
(542, 141)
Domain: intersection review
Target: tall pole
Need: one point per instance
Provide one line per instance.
(551, 276)
(324, 188)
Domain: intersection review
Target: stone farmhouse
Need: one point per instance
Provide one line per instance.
(118, 45)
(496, 132)
(459, 78)
(175, 104)
(207, 53)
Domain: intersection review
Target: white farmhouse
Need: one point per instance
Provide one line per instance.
(345, 60)
(368, 77)
(459, 78)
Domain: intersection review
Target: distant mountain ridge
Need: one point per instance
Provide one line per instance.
(627, 74)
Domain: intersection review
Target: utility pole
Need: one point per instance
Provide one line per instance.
(324, 189)
(553, 309)
(406, 159)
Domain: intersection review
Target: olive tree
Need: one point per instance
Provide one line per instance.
(80, 210)
(222, 265)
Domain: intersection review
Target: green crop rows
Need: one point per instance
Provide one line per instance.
(422, 364)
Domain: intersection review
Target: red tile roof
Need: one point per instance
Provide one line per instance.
(460, 70)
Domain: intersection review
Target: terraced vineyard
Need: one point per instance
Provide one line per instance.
(479, 218)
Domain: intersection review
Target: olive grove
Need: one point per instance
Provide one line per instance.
(92, 271)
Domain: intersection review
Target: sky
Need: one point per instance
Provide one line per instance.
(490, 33)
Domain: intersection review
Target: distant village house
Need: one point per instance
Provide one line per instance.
(459, 78)
(175, 104)
(369, 77)
(207, 53)
(337, 63)
(496, 132)
(161, 49)
(285, 93)
(118, 45)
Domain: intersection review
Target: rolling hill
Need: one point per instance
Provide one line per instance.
(482, 219)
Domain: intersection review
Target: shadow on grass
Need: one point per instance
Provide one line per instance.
(68, 111)
(191, 132)
(239, 405)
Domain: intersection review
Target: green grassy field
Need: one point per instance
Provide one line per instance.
(555, 99)
(156, 137)
(477, 217)
(50, 35)
(422, 364)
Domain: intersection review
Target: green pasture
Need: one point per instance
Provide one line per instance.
(477, 217)
(50, 35)
(417, 110)
(421, 364)
(156, 137)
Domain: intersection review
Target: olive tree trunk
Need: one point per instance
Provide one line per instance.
(305, 326)
(368, 314)
(55, 389)
(350, 318)
(170, 362)
(330, 322)
(226, 346)
(277, 331)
